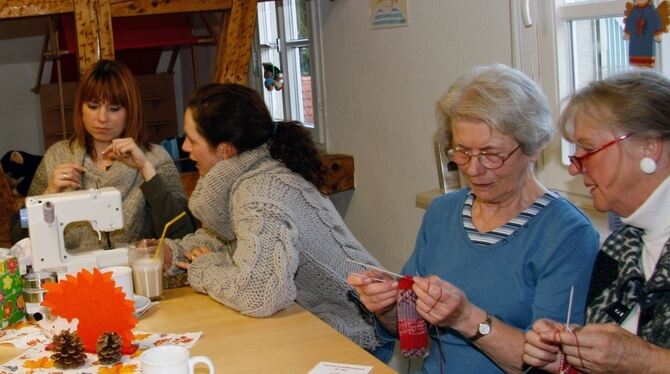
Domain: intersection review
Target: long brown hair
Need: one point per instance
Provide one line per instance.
(111, 82)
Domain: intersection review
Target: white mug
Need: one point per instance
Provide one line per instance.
(123, 277)
(171, 359)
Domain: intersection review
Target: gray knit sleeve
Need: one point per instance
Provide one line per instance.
(55, 155)
(202, 237)
(165, 196)
(257, 279)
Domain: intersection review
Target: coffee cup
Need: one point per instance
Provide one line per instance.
(146, 260)
(122, 276)
(171, 359)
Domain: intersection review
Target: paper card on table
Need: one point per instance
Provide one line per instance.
(336, 368)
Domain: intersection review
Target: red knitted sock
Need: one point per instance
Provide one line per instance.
(412, 329)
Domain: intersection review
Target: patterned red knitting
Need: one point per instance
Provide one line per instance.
(565, 368)
(412, 329)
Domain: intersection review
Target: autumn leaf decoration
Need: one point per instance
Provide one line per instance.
(39, 363)
(119, 369)
(97, 303)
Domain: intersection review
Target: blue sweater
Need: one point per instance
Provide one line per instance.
(518, 280)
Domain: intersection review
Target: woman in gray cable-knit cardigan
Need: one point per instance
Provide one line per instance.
(269, 237)
(110, 148)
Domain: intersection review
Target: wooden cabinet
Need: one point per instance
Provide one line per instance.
(158, 99)
(339, 173)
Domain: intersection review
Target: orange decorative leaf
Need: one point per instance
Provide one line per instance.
(96, 302)
(118, 369)
(33, 342)
(141, 336)
(40, 363)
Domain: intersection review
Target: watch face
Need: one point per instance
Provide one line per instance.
(484, 328)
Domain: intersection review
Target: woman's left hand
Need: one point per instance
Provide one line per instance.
(439, 302)
(128, 152)
(191, 255)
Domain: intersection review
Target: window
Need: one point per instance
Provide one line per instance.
(287, 62)
(570, 43)
(593, 46)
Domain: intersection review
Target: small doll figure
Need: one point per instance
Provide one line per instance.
(273, 76)
(644, 25)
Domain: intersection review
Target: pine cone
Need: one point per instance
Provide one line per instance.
(108, 347)
(69, 349)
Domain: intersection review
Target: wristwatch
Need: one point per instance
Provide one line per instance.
(483, 329)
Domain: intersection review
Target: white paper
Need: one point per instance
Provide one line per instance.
(335, 368)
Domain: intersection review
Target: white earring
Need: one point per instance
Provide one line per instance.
(647, 165)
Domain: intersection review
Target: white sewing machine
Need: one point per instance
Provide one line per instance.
(48, 215)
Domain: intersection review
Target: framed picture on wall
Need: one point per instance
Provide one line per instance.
(388, 13)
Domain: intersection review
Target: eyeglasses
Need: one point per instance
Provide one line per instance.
(578, 161)
(490, 161)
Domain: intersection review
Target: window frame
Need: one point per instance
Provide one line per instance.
(290, 62)
(587, 10)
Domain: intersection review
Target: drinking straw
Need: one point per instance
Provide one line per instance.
(160, 241)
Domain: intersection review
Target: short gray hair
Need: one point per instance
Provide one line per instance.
(635, 102)
(502, 97)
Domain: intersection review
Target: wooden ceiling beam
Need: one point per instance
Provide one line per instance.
(120, 8)
(126, 8)
(95, 38)
(30, 8)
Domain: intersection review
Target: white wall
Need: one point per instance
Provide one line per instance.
(381, 89)
(20, 114)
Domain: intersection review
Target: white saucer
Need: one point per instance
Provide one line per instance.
(142, 303)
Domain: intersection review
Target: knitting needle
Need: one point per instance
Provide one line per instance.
(567, 320)
(375, 268)
(369, 277)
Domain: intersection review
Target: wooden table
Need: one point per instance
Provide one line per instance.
(292, 341)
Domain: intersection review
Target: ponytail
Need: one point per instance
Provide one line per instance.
(292, 144)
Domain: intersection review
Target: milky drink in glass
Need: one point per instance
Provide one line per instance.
(147, 267)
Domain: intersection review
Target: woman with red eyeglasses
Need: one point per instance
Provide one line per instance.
(621, 128)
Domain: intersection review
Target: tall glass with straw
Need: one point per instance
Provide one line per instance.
(146, 260)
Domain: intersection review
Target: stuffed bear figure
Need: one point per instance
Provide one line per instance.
(19, 169)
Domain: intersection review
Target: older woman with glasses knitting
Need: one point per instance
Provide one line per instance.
(621, 127)
(492, 258)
